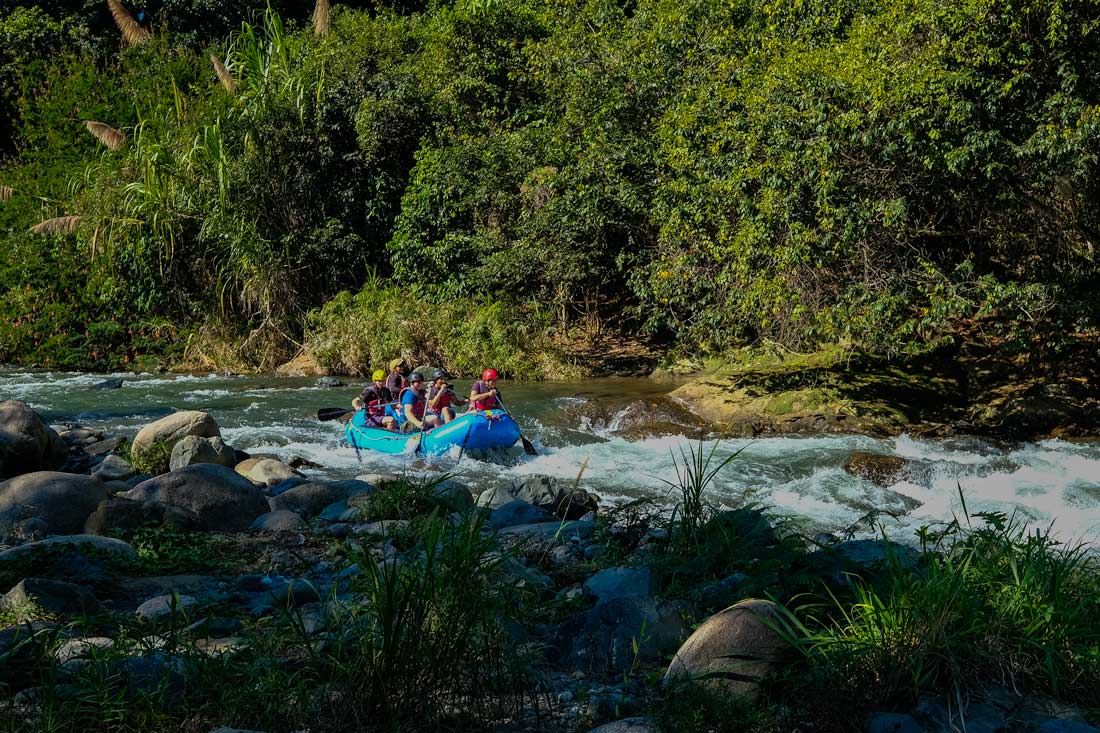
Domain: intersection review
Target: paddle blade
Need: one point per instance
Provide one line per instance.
(334, 413)
(527, 447)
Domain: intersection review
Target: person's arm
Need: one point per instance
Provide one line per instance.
(361, 401)
(435, 400)
(456, 399)
(480, 396)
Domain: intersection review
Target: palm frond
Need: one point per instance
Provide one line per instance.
(321, 19)
(225, 76)
(106, 134)
(57, 225)
(6, 192)
(132, 31)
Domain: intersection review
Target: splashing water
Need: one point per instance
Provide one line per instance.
(1048, 483)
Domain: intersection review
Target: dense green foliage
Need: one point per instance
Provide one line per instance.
(713, 173)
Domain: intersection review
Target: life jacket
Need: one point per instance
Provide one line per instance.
(488, 403)
(417, 405)
(444, 401)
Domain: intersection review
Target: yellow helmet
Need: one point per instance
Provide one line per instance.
(378, 375)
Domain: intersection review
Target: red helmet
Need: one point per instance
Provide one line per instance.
(489, 374)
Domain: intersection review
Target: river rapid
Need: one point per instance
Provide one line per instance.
(1047, 484)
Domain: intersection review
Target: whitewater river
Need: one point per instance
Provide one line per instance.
(1048, 483)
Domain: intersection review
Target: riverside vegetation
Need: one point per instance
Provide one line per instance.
(240, 593)
(221, 185)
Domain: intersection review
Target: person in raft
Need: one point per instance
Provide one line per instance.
(412, 408)
(441, 396)
(484, 394)
(376, 397)
(395, 382)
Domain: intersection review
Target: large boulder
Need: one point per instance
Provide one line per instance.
(51, 596)
(266, 471)
(192, 449)
(119, 514)
(83, 556)
(152, 446)
(113, 468)
(732, 650)
(26, 442)
(224, 500)
(59, 501)
(612, 583)
(309, 499)
(559, 497)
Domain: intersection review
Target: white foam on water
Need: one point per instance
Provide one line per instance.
(1047, 482)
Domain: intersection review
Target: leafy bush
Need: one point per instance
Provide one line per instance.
(355, 334)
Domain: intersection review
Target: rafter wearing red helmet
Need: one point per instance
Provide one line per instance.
(484, 394)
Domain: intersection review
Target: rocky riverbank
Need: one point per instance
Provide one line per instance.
(963, 393)
(177, 581)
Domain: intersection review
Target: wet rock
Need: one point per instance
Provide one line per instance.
(166, 606)
(169, 430)
(192, 449)
(309, 499)
(223, 500)
(295, 592)
(266, 471)
(602, 641)
(278, 521)
(108, 384)
(329, 382)
(51, 596)
(299, 462)
(612, 583)
(884, 471)
(238, 730)
(518, 512)
(62, 501)
(724, 592)
(120, 514)
(26, 443)
(113, 468)
(737, 640)
(555, 496)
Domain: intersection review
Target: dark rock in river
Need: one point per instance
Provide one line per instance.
(26, 442)
(329, 382)
(885, 471)
(224, 500)
(61, 501)
(108, 384)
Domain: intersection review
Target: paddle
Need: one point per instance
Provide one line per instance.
(528, 447)
(333, 413)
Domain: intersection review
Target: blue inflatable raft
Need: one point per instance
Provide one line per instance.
(480, 431)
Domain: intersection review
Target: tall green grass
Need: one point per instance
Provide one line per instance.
(421, 643)
(985, 603)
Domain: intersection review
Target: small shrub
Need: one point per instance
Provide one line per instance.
(153, 460)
